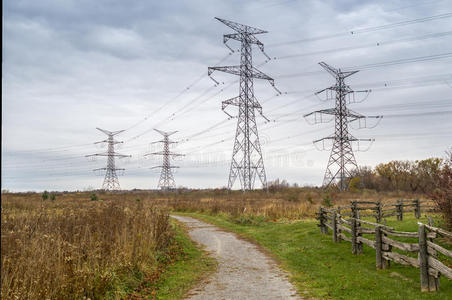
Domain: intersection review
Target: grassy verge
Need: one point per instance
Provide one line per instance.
(321, 268)
(191, 264)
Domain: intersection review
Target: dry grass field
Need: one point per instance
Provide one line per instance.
(75, 248)
(286, 203)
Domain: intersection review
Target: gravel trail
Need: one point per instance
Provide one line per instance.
(244, 272)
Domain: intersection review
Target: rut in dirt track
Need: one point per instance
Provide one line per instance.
(244, 272)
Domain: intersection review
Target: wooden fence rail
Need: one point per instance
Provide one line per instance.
(380, 211)
(353, 228)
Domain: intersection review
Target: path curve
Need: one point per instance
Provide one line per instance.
(244, 272)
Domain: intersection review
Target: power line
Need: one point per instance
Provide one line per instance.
(380, 64)
(171, 100)
(370, 45)
(365, 30)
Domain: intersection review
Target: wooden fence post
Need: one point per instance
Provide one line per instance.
(417, 208)
(334, 221)
(433, 281)
(423, 262)
(323, 228)
(355, 210)
(354, 242)
(381, 247)
(399, 208)
(359, 245)
(378, 212)
(378, 248)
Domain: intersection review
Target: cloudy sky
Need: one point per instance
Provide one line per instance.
(70, 66)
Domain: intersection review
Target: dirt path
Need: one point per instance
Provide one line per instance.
(244, 272)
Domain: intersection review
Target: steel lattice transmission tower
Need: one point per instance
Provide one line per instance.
(247, 160)
(166, 181)
(342, 159)
(111, 181)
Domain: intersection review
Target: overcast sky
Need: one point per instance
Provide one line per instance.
(72, 66)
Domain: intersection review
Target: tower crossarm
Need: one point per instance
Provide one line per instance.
(237, 70)
(333, 71)
(109, 132)
(164, 133)
(336, 72)
(162, 141)
(164, 153)
(170, 167)
(328, 111)
(107, 141)
(109, 154)
(102, 169)
(240, 28)
(239, 37)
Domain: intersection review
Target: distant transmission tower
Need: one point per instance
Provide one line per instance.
(342, 160)
(166, 181)
(111, 181)
(247, 160)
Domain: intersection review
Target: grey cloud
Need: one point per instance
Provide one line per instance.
(70, 66)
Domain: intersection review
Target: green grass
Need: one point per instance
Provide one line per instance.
(187, 271)
(321, 268)
(191, 265)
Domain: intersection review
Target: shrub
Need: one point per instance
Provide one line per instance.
(52, 197)
(327, 200)
(442, 194)
(354, 184)
(94, 197)
(45, 195)
(292, 197)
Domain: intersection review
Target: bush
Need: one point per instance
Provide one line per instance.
(52, 197)
(327, 200)
(292, 197)
(442, 193)
(94, 197)
(45, 195)
(354, 185)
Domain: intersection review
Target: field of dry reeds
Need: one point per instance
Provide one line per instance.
(286, 203)
(75, 248)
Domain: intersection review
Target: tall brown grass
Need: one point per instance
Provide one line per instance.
(284, 203)
(73, 248)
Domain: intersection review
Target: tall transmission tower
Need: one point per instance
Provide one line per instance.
(166, 181)
(111, 181)
(342, 159)
(247, 160)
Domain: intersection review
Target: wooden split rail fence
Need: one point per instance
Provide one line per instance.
(358, 209)
(422, 254)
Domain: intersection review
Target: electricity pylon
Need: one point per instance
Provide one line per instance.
(166, 181)
(342, 159)
(247, 160)
(111, 181)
